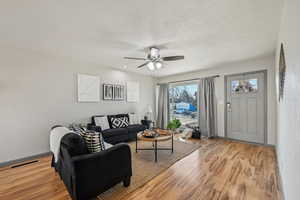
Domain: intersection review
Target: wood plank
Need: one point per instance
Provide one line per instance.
(219, 169)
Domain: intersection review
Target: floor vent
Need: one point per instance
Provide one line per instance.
(26, 163)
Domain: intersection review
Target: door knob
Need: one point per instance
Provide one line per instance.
(228, 106)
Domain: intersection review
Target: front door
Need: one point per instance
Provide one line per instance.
(245, 107)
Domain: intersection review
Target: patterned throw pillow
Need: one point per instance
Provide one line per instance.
(119, 122)
(94, 141)
(78, 129)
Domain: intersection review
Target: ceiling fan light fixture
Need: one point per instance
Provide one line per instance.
(154, 53)
(158, 65)
(151, 66)
(153, 60)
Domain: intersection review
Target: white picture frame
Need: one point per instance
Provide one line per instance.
(88, 88)
(133, 91)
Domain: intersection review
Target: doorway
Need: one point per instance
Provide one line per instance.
(246, 107)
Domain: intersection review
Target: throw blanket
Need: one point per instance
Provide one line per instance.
(56, 135)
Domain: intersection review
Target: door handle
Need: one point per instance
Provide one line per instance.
(228, 106)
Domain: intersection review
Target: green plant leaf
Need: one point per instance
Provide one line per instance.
(174, 124)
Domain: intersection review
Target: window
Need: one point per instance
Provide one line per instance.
(244, 86)
(183, 103)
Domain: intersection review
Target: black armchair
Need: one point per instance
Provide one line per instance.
(87, 175)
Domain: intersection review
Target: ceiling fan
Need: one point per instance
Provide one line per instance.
(153, 59)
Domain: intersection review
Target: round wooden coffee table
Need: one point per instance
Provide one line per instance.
(155, 140)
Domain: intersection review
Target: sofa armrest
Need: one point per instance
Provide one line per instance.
(97, 170)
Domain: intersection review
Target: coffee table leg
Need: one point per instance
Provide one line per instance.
(172, 143)
(155, 150)
(136, 140)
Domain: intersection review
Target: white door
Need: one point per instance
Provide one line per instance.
(246, 107)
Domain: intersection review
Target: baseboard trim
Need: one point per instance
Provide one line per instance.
(226, 138)
(279, 170)
(13, 162)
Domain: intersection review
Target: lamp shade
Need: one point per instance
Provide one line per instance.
(149, 109)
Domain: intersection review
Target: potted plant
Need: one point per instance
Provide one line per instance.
(174, 124)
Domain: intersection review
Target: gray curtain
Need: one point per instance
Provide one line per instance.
(163, 111)
(208, 107)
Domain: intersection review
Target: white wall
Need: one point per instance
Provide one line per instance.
(288, 147)
(39, 91)
(264, 63)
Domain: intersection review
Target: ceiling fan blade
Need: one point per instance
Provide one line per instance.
(132, 58)
(172, 58)
(142, 65)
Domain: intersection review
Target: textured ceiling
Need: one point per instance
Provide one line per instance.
(207, 32)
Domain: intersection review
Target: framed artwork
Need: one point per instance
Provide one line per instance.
(133, 91)
(88, 88)
(108, 90)
(282, 70)
(119, 92)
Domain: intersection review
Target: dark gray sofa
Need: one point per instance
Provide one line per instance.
(117, 135)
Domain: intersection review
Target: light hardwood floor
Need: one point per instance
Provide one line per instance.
(219, 169)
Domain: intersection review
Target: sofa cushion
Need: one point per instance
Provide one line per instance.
(114, 132)
(74, 144)
(117, 139)
(135, 128)
(118, 121)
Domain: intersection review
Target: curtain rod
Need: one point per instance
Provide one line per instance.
(194, 79)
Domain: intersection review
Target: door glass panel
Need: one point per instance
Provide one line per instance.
(183, 103)
(251, 85)
(244, 86)
(236, 86)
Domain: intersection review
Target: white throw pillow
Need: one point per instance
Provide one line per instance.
(134, 119)
(102, 121)
(107, 145)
